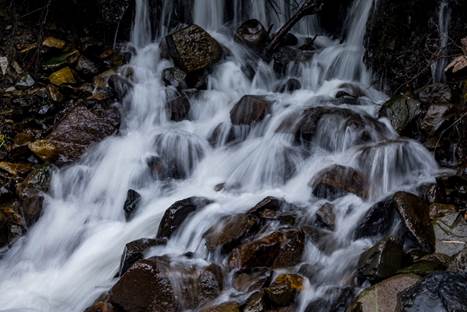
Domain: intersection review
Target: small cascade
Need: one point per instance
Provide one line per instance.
(72, 255)
(444, 16)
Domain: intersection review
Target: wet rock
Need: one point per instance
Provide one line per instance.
(52, 42)
(415, 217)
(101, 305)
(44, 149)
(132, 201)
(457, 69)
(250, 280)
(450, 233)
(304, 127)
(326, 217)
(441, 291)
(80, 128)
(134, 251)
(321, 238)
(436, 93)
(459, 263)
(383, 296)
(176, 214)
(255, 302)
(290, 85)
(86, 67)
(112, 11)
(193, 49)
(120, 86)
(285, 289)
(146, 286)
(231, 231)
(175, 77)
(253, 34)
(449, 190)
(223, 307)
(381, 261)
(427, 265)
(282, 248)
(62, 76)
(25, 82)
(285, 56)
(401, 112)
(15, 169)
(178, 108)
(31, 193)
(335, 299)
(438, 210)
(11, 224)
(337, 181)
(435, 117)
(378, 220)
(62, 61)
(250, 110)
(210, 284)
(166, 164)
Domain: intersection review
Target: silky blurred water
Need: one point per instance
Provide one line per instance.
(72, 254)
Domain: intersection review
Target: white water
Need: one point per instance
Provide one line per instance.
(72, 254)
(444, 16)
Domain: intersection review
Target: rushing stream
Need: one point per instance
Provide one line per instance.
(72, 254)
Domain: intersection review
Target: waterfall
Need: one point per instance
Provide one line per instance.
(71, 256)
(444, 16)
(209, 14)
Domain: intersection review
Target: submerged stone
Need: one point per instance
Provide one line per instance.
(337, 181)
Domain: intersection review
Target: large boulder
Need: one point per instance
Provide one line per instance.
(176, 214)
(193, 49)
(146, 286)
(401, 111)
(337, 181)
(149, 285)
(378, 220)
(441, 291)
(80, 128)
(383, 296)
(253, 34)
(279, 249)
(250, 110)
(414, 214)
(380, 262)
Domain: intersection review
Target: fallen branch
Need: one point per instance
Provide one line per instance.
(309, 7)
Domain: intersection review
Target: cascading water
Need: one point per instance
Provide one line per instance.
(444, 15)
(72, 254)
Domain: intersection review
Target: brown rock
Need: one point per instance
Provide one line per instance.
(176, 214)
(193, 49)
(146, 286)
(284, 290)
(336, 181)
(279, 249)
(414, 213)
(383, 296)
(15, 169)
(44, 149)
(223, 307)
(62, 76)
(381, 261)
(253, 34)
(80, 128)
(250, 110)
(52, 42)
(31, 190)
